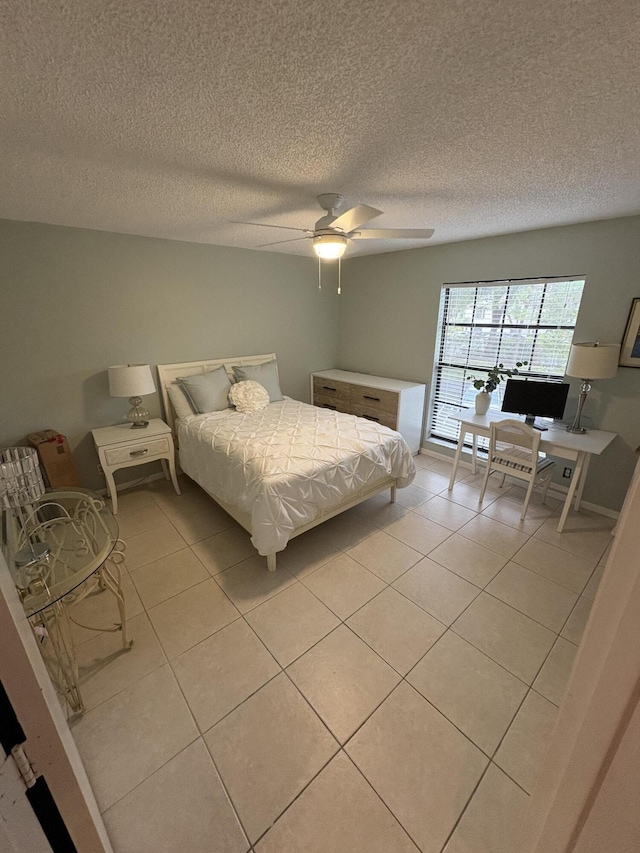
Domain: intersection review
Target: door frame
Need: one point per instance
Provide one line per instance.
(49, 744)
(602, 696)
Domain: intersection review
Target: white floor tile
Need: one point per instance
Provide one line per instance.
(197, 526)
(152, 545)
(591, 589)
(308, 552)
(274, 728)
(291, 622)
(534, 595)
(139, 520)
(494, 535)
(249, 583)
(473, 692)
(554, 675)
(182, 806)
(559, 566)
(344, 680)
(471, 561)
(508, 512)
(446, 513)
(492, 818)
(384, 555)
(106, 668)
(505, 635)
(430, 480)
(469, 496)
(338, 813)
(522, 751)
(398, 630)
(224, 550)
(418, 532)
(585, 534)
(168, 576)
(343, 585)
(424, 769)
(100, 610)
(186, 619)
(440, 592)
(412, 496)
(133, 734)
(577, 622)
(222, 671)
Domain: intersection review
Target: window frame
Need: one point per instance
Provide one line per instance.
(469, 368)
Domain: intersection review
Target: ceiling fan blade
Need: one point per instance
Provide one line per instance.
(355, 217)
(268, 225)
(393, 234)
(277, 242)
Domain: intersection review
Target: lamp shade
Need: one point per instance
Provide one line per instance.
(593, 360)
(130, 380)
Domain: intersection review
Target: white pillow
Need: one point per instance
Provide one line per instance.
(179, 401)
(249, 396)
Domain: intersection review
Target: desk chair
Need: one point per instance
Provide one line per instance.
(513, 450)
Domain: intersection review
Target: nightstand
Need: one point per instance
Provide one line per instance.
(121, 447)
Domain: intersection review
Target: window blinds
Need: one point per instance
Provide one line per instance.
(485, 323)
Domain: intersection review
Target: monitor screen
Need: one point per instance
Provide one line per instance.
(532, 398)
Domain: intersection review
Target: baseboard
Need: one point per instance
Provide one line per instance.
(556, 490)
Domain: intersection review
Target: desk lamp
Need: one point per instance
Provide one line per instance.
(132, 381)
(591, 361)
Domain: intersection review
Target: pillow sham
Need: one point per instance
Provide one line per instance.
(249, 396)
(266, 374)
(181, 405)
(207, 392)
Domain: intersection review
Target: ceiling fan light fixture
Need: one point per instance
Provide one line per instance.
(329, 246)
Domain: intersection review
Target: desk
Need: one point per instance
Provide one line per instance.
(86, 555)
(555, 441)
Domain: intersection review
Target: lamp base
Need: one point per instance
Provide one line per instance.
(575, 426)
(576, 430)
(138, 416)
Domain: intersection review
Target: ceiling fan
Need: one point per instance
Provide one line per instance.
(332, 231)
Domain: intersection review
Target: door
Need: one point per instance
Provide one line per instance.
(20, 830)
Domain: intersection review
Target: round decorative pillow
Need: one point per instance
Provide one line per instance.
(248, 396)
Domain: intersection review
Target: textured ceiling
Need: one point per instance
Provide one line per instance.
(170, 118)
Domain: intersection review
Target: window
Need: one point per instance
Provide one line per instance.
(485, 323)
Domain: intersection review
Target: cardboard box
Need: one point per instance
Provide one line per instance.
(55, 457)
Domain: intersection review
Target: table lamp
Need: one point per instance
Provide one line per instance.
(591, 361)
(132, 381)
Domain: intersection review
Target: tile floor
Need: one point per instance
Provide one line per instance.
(392, 687)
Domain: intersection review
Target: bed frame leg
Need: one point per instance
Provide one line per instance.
(393, 494)
(271, 562)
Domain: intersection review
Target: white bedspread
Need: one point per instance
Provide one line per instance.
(288, 462)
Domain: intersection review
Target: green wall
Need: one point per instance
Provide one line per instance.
(74, 301)
(389, 315)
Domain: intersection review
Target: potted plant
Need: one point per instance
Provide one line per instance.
(487, 386)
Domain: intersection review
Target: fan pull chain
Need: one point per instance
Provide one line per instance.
(319, 273)
(339, 275)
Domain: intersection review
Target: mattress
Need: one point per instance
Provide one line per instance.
(288, 463)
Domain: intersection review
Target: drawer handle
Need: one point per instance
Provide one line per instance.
(329, 406)
(367, 397)
(328, 388)
(371, 418)
(139, 452)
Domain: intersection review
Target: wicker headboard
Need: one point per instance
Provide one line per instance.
(168, 373)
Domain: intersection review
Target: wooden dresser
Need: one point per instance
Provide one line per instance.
(395, 404)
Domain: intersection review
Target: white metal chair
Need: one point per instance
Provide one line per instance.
(513, 450)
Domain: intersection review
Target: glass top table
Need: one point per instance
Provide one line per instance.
(65, 548)
(81, 533)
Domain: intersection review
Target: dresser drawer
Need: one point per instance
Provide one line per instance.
(384, 418)
(333, 403)
(327, 388)
(374, 399)
(142, 450)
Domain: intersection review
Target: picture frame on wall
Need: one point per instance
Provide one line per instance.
(630, 349)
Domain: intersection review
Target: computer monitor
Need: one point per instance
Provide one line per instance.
(532, 398)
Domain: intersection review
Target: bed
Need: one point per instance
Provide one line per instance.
(288, 468)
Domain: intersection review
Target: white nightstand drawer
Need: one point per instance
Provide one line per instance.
(142, 451)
